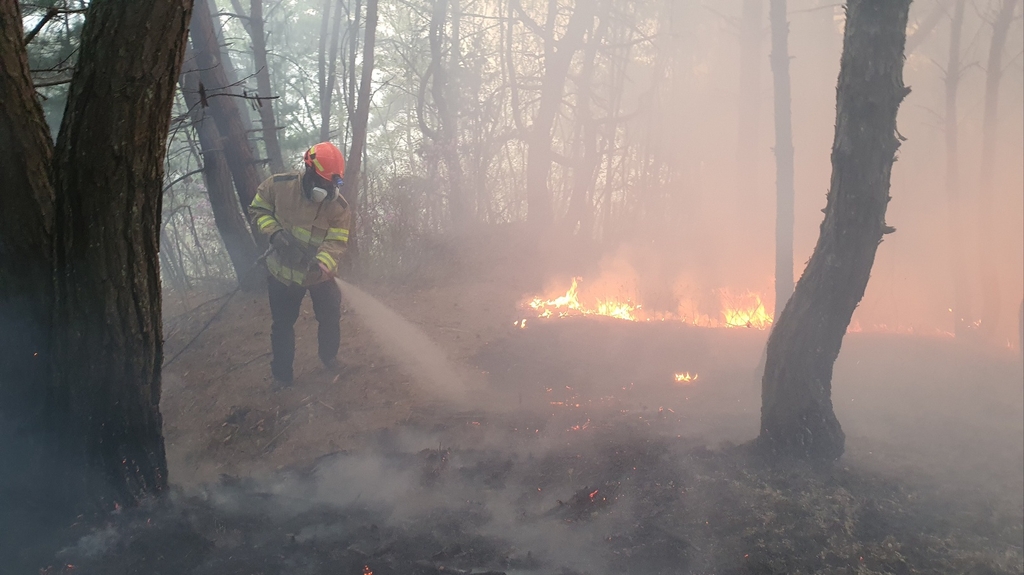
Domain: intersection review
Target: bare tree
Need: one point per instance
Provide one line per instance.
(233, 228)
(558, 55)
(784, 185)
(327, 65)
(962, 318)
(265, 102)
(991, 298)
(359, 122)
(214, 93)
(749, 100)
(797, 418)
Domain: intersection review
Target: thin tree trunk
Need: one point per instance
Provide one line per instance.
(359, 123)
(784, 185)
(991, 297)
(212, 80)
(109, 349)
(231, 73)
(557, 59)
(233, 228)
(328, 66)
(266, 105)
(797, 418)
(749, 116)
(962, 317)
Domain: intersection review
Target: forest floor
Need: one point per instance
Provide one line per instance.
(582, 455)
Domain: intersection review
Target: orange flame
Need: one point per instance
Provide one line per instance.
(746, 310)
(686, 377)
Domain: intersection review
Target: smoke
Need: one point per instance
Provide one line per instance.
(417, 355)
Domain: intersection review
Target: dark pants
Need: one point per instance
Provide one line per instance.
(285, 301)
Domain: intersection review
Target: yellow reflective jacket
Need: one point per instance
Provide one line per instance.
(321, 228)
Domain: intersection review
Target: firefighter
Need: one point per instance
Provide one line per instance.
(307, 221)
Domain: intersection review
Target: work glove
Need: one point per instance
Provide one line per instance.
(319, 273)
(286, 245)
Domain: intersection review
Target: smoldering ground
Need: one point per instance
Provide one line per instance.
(605, 465)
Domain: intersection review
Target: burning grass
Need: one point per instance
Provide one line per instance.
(746, 309)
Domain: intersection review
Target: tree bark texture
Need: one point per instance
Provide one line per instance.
(109, 165)
(227, 214)
(215, 94)
(991, 298)
(359, 123)
(265, 104)
(26, 228)
(797, 418)
(784, 184)
(558, 56)
(962, 316)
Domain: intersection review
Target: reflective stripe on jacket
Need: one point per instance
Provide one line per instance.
(321, 228)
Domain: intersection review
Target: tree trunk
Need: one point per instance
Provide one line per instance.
(26, 242)
(328, 65)
(557, 59)
(266, 105)
(233, 227)
(231, 73)
(797, 418)
(749, 116)
(784, 185)
(991, 298)
(362, 116)
(213, 94)
(962, 317)
(109, 348)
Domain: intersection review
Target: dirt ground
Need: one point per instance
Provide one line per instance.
(584, 456)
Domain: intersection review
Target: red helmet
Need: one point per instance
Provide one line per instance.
(326, 160)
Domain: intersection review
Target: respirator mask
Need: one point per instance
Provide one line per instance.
(319, 194)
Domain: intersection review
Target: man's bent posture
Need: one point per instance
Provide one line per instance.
(308, 222)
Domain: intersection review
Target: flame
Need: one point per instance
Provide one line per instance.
(569, 304)
(686, 377)
(746, 310)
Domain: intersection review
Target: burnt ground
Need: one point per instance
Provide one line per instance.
(583, 457)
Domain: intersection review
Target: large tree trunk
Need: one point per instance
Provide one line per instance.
(26, 252)
(359, 123)
(233, 227)
(991, 298)
(797, 418)
(784, 185)
(109, 349)
(962, 318)
(215, 95)
(265, 103)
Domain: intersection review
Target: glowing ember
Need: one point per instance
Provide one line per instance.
(367, 570)
(686, 377)
(746, 310)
